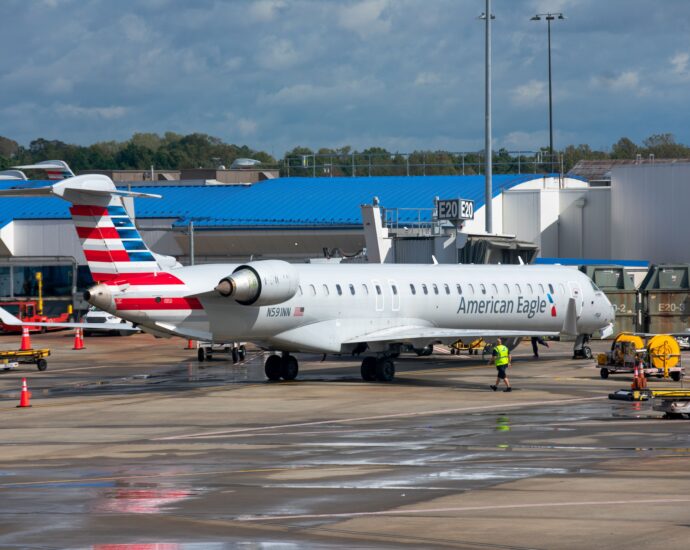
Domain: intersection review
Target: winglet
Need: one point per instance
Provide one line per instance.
(7, 318)
(570, 321)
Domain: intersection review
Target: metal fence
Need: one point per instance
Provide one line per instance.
(419, 164)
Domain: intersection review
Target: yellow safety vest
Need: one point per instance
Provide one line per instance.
(502, 357)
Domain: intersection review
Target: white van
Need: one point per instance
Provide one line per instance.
(97, 316)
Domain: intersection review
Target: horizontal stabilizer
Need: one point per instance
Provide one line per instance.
(89, 184)
(7, 318)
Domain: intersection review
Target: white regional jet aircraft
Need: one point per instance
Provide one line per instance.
(322, 308)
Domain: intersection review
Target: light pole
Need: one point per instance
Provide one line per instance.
(487, 16)
(549, 17)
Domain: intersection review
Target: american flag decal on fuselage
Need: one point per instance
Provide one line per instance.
(112, 245)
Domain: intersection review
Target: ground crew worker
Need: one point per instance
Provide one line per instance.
(502, 359)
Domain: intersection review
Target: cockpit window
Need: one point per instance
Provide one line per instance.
(595, 287)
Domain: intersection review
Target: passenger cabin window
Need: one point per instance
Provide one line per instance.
(551, 288)
(561, 288)
(312, 290)
(339, 290)
(299, 290)
(352, 289)
(425, 289)
(447, 288)
(378, 290)
(541, 288)
(518, 289)
(459, 288)
(495, 289)
(483, 288)
(435, 288)
(506, 288)
(394, 289)
(365, 288)
(529, 289)
(412, 289)
(471, 288)
(326, 292)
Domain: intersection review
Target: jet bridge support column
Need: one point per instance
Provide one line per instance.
(379, 244)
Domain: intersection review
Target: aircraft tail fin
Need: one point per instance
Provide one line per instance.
(111, 243)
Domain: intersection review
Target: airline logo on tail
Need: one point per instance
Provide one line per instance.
(112, 245)
(553, 305)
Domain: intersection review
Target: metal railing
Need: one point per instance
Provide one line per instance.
(418, 164)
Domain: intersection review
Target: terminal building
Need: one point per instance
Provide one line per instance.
(536, 217)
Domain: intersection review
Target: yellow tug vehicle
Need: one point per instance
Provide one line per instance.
(660, 356)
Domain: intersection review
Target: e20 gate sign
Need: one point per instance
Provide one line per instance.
(455, 209)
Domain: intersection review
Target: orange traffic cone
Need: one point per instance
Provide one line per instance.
(24, 396)
(26, 339)
(190, 344)
(635, 381)
(78, 339)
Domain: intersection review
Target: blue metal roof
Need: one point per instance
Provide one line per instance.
(591, 261)
(287, 202)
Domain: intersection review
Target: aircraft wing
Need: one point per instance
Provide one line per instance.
(411, 333)
(7, 318)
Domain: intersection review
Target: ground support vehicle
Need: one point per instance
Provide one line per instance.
(236, 350)
(472, 348)
(28, 311)
(15, 357)
(660, 356)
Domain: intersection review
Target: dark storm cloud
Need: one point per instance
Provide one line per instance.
(404, 74)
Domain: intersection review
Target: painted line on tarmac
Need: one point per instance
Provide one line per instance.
(148, 476)
(404, 512)
(380, 417)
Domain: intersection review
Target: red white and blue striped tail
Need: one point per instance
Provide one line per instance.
(112, 244)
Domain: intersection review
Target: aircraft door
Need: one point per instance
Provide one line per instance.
(576, 292)
(395, 295)
(378, 293)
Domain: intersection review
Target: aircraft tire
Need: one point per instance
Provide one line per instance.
(289, 368)
(273, 367)
(201, 355)
(235, 355)
(604, 373)
(385, 370)
(242, 352)
(368, 369)
(587, 352)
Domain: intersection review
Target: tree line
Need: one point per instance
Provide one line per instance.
(172, 151)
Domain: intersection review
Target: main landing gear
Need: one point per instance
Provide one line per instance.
(283, 366)
(378, 368)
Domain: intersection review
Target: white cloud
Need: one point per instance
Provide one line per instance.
(246, 127)
(265, 10)
(530, 93)
(308, 93)
(626, 81)
(523, 141)
(59, 85)
(105, 113)
(277, 53)
(364, 18)
(679, 62)
(427, 79)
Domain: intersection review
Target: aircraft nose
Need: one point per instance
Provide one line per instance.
(101, 297)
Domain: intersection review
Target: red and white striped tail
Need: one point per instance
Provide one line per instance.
(112, 244)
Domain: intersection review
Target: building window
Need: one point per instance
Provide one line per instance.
(57, 280)
(412, 289)
(425, 289)
(339, 290)
(352, 289)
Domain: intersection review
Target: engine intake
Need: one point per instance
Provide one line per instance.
(261, 283)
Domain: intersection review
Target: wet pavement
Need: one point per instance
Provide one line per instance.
(132, 443)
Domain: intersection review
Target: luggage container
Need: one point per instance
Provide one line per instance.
(617, 284)
(665, 299)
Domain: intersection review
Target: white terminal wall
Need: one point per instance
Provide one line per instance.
(650, 217)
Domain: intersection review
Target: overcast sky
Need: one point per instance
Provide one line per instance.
(402, 74)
